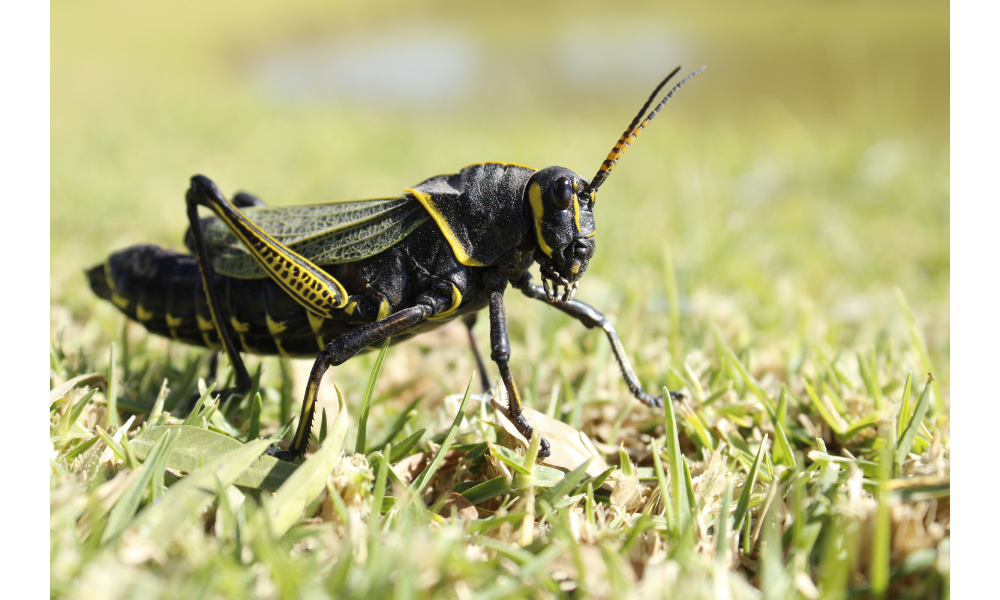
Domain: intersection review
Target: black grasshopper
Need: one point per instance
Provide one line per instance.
(338, 278)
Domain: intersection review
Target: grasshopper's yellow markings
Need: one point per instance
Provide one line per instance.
(503, 164)
(591, 234)
(119, 301)
(456, 247)
(275, 327)
(316, 322)
(239, 326)
(142, 314)
(350, 308)
(538, 209)
(576, 212)
(575, 268)
(288, 269)
(207, 328)
(297, 441)
(456, 301)
(205, 324)
(383, 309)
(173, 323)
(242, 328)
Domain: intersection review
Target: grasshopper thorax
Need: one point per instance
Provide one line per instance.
(564, 227)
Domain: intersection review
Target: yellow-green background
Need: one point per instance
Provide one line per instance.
(797, 181)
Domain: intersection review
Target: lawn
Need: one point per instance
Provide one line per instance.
(776, 246)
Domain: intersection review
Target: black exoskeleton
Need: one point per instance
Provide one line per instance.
(338, 278)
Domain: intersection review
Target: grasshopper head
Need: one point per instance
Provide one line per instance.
(562, 204)
(564, 227)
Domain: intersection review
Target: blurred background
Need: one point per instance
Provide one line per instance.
(793, 185)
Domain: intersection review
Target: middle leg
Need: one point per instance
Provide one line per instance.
(500, 345)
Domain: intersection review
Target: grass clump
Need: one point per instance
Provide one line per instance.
(700, 498)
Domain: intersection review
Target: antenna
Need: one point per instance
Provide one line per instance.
(633, 131)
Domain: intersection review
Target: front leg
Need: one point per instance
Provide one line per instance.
(500, 353)
(591, 317)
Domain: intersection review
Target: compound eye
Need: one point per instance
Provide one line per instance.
(562, 192)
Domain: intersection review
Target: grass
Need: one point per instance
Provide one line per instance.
(778, 249)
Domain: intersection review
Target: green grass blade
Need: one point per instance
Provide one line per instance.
(921, 347)
(498, 486)
(509, 458)
(682, 503)
(689, 485)
(309, 479)
(157, 410)
(322, 427)
(253, 430)
(127, 506)
(832, 418)
(869, 374)
(195, 416)
(906, 440)
(188, 497)
(723, 524)
(397, 425)
(285, 404)
(359, 445)
(597, 481)
(69, 418)
(568, 482)
(111, 443)
(400, 450)
(72, 454)
(880, 561)
(113, 421)
(57, 393)
(424, 478)
(744, 502)
(751, 382)
(861, 424)
(661, 480)
(379, 493)
(195, 446)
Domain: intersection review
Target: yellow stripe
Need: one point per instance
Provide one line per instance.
(442, 223)
(173, 321)
(350, 308)
(239, 326)
(274, 327)
(310, 400)
(119, 301)
(535, 197)
(316, 321)
(383, 309)
(283, 275)
(456, 301)
(205, 325)
(503, 164)
(142, 314)
(576, 212)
